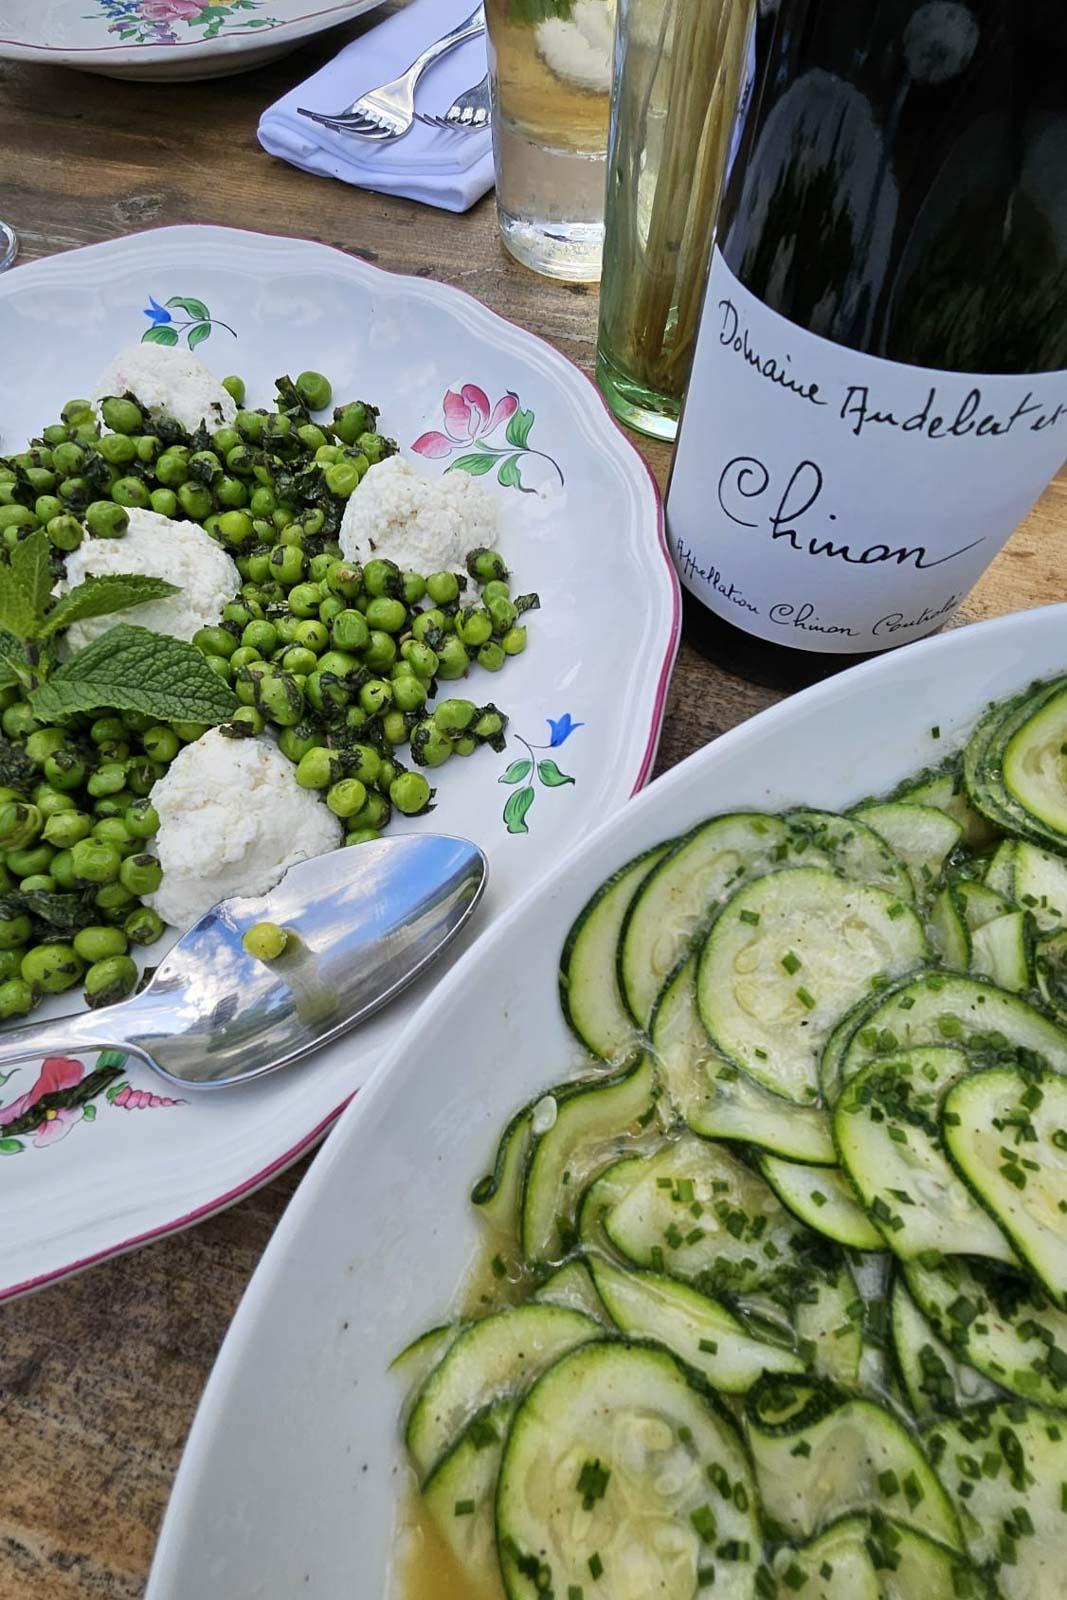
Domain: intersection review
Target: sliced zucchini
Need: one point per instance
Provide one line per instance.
(947, 927)
(1050, 970)
(584, 1129)
(993, 737)
(417, 1360)
(1033, 763)
(824, 1199)
(936, 1383)
(997, 1321)
(493, 1360)
(820, 1455)
(945, 791)
(970, 1014)
(1007, 1133)
(978, 903)
(696, 1211)
(572, 1286)
(787, 955)
(677, 899)
(699, 1330)
(621, 1478)
(979, 767)
(1005, 1466)
(460, 1495)
(588, 987)
(833, 1054)
(498, 1195)
(717, 1099)
(887, 1126)
(849, 848)
(1040, 886)
(601, 1196)
(1000, 873)
(1002, 950)
(920, 836)
(828, 1312)
(873, 1558)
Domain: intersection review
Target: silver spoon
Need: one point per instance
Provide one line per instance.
(362, 923)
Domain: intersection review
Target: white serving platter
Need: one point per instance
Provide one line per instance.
(290, 1479)
(586, 699)
(164, 39)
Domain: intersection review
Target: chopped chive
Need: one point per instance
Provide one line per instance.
(464, 1508)
(709, 1346)
(751, 917)
(596, 1566)
(592, 1483)
(791, 962)
(703, 1520)
(807, 999)
(499, 1268)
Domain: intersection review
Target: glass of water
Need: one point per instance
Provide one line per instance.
(551, 66)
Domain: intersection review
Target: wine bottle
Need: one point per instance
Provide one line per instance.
(878, 391)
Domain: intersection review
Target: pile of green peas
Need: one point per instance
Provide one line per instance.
(343, 663)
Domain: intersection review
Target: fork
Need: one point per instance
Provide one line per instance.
(388, 112)
(9, 246)
(468, 110)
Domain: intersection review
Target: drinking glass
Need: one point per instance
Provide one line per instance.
(551, 68)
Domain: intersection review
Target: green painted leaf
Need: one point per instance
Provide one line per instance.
(509, 475)
(476, 465)
(516, 772)
(198, 334)
(161, 335)
(551, 776)
(518, 428)
(515, 811)
(196, 308)
(132, 669)
(31, 562)
(11, 1147)
(100, 597)
(89, 1113)
(13, 659)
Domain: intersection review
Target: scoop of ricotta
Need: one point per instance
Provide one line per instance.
(580, 50)
(180, 552)
(423, 524)
(232, 821)
(169, 381)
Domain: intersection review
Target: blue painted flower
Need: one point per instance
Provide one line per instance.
(562, 730)
(156, 313)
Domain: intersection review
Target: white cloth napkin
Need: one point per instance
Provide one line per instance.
(450, 170)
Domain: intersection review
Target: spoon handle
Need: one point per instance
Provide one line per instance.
(90, 1030)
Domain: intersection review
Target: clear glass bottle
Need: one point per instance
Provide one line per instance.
(682, 67)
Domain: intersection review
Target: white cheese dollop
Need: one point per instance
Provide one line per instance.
(423, 524)
(171, 381)
(180, 552)
(580, 50)
(232, 821)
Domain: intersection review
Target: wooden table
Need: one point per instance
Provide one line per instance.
(99, 1376)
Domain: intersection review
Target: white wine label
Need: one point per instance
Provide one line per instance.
(829, 500)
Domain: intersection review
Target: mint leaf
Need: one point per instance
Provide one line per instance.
(31, 562)
(99, 597)
(14, 662)
(132, 669)
(18, 615)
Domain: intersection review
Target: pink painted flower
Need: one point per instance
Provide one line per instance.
(172, 10)
(57, 1072)
(132, 1099)
(468, 417)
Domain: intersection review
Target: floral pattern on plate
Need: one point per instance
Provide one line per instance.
(468, 421)
(164, 21)
(64, 1095)
(524, 770)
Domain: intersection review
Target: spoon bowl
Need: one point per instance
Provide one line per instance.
(362, 923)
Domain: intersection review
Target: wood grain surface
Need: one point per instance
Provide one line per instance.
(100, 1375)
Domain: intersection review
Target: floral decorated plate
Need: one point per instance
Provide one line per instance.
(97, 1156)
(158, 39)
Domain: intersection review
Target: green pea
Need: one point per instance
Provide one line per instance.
(454, 716)
(474, 626)
(381, 577)
(376, 696)
(342, 478)
(17, 998)
(189, 732)
(44, 743)
(225, 439)
(413, 586)
(18, 720)
(76, 411)
(429, 746)
(162, 743)
(317, 768)
(28, 862)
(311, 437)
(62, 870)
(287, 565)
(51, 968)
(195, 500)
(14, 931)
(349, 631)
(122, 416)
(112, 805)
(50, 802)
(98, 942)
(143, 926)
(513, 643)
(95, 861)
(327, 454)
(330, 607)
(215, 641)
(304, 600)
(235, 388)
(251, 425)
(452, 659)
(314, 390)
(386, 614)
(410, 793)
(16, 516)
(277, 431)
(380, 651)
(491, 656)
(299, 660)
(117, 449)
(261, 636)
(10, 964)
(47, 506)
(442, 588)
(113, 901)
(55, 433)
(148, 448)
(220, 666)
(362, 835)
(130, 492)
(109, 981)
(113, 830)
(352, 420)
(346, 797)
(68, 459)
(164, 502)
(345, 578)
(409, 694)
(65, 770)
(489, 725)
(141, 874)
(375, 814)
(375, 446)
(280, 699)
(107, 779)
(396, 730)
(263, 502)
(65, 828)
(265, 941)
(142, 819)
(313, 635)
(105, 519)
(297, 741)
(106, 730)
(423, 660)
(465, 745)
(248, 717)
(339, 662)
(244, 657)
(429, 624)
(486, 565)
(172, 468)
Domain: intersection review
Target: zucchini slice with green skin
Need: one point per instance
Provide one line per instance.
(697, 1212)
(494, 1359)
(1033, 762)
(418, 1359)
(887, 1124)
(1000, 873)
(1050, 969)
(936, 1383)
(849, 848)
(699, 1330)
(498, 1195)
(997, 1321)
(601, 1196)
(717, 1099)
(837, 1044)
(970, 1014)
(621, 1477)
(978, 903)
(572, 1286)
(1002, 950)
(947, 927)
(979, 767)
(589, 991)
(676, 900)
(1005, 1465)
(1007, 1133)
(1021, 819)
(945, 792)
(828, 1313)
(823, 1198)
(920, 836)
(1040, 886)
(460, 1495)
(786, 957)
(583, 1135)
(820, 1455)
(874, 1558)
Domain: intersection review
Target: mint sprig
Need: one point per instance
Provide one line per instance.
(133, 669)
(100, 597)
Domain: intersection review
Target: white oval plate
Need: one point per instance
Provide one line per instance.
(289, 1481)
(164, 39)
(585, 700)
